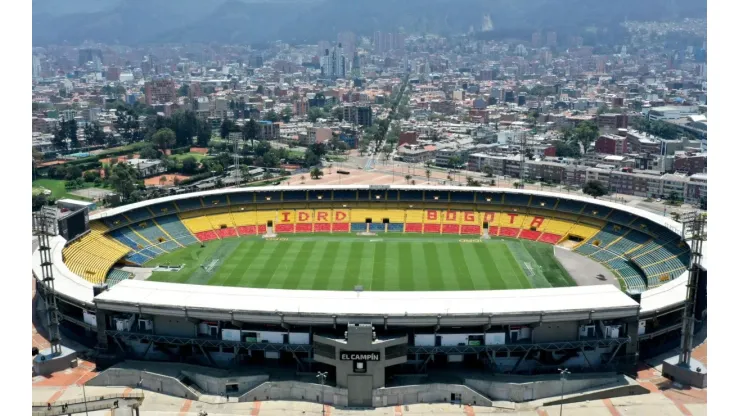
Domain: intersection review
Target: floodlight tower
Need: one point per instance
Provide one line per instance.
(44, 226)
(693, 230)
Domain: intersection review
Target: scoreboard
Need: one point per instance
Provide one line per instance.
(74, 224)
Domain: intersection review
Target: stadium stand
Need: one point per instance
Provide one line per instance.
(188, 204)
(138, 215)
(93, 254)
(175, 228)
(642, 253)
(117, 276)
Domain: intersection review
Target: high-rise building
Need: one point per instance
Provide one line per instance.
(552, 39)
(386, 42)
(333, 63)
(359, 114)
(113, 73)
(536, 39)
(349, 42)
(36, 66)
(88, 55)
(160, 91)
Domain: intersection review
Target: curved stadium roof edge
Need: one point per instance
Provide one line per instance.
(175, 299)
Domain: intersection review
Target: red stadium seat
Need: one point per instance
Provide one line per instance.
(450, 229)
(304, 228)
(340, 227)
(285, 228)
(470, 229)
(261, 229)
(322, 228)
(226, 232)
(432, 228)
(509, 232)
(247, 230)
(550, 238)
(530, 235)
(413, 228)
(206, 235)
(493, 231)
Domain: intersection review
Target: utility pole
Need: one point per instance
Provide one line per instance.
(322, 377)
(45, 226)
(563, 374)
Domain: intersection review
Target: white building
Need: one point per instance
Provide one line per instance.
(333, 63)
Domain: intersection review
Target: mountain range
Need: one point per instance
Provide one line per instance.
(133, 22)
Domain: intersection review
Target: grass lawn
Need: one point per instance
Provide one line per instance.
(56, 186)
(405, 262)
(198, 156)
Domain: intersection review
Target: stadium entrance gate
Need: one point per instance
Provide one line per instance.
(360, 360)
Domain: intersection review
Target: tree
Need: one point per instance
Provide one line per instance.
(148, 152)
(164, 139)
(594, 189)
(204, 134)
(176, 181)
(286, 114)
(316, 173)
(429, 174)
(408, 178)
(455, 162)
(310, 158)
(60, 137)
(183, 91)
(189, 165)
(260, 89)
(272, 116)
(94, 134)
(162, 180)
(315, 113)
(674, 198)
(387, 151)
(602, 109)
(123, 178)
(227, 126)
(71, 126)
(488, 170)
(472, 181)
(39, 200)
(250, 131)
(338, 113)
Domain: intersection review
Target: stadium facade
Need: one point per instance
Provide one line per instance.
(364, 337)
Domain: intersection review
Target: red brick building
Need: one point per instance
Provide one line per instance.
(408, 137)
(611, 144)
(690, 163)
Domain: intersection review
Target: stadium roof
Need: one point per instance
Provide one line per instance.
(175, 297)
(656, 218)
(490, 302)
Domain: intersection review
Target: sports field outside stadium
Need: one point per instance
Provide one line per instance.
(400, 262)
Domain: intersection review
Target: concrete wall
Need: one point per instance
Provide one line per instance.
(507, 390)
(173, 326)
(424, 393)
(555, 331)
(217, 385)
(291, 390)
(607, 393)
(427, 393)
(149, 381)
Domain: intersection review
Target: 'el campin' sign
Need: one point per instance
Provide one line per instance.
(359, 356)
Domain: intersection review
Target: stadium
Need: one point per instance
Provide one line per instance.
(371, 282)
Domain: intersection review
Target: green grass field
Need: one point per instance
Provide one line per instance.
(56, 187)
(406, 262)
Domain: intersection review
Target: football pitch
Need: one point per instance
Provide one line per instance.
(401, 262)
